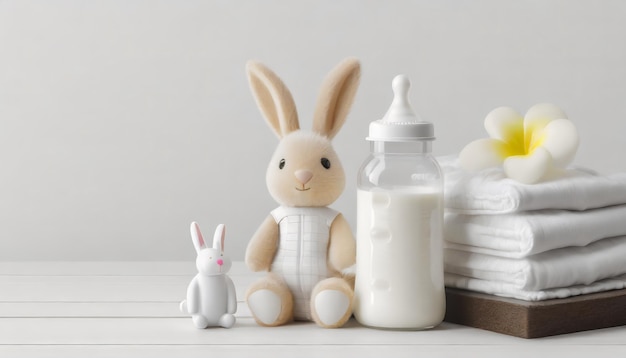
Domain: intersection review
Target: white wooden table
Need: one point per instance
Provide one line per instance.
(127, 309)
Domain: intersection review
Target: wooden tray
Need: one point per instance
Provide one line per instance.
(536, 319)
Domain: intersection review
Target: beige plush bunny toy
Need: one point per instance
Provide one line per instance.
(303, 244)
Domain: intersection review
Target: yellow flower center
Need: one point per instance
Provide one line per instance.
(520, 140)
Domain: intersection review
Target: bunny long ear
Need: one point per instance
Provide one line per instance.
(273, 99)
(218, 238)
(336, 97)
(196, 237)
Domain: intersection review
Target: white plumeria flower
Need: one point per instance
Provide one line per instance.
(527, 147)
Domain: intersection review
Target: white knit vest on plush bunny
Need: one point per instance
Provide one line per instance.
(301, 256)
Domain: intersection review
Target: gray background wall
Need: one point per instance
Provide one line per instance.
(122, 121)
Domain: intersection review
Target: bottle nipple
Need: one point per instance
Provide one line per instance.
(400, 110)
(400, 123)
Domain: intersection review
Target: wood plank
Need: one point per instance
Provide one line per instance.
(107, 268)
(307, 350)
(536, 319)
(99, 309)
(89, 309)
(180, 331)
(99, 268)
(158, 331)
(104, 288)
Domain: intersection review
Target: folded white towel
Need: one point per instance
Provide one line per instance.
(551, 269)
(522, 234)
(491, 192)
(507, 290)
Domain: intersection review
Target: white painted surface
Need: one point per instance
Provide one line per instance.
(123, 121)
(125, 309)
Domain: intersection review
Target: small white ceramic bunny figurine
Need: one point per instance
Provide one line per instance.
(305, 246)
(211, 299)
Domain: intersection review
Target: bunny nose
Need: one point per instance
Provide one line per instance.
(220, 262)
(303, 176)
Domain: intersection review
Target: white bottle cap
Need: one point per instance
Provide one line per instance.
(400, 123)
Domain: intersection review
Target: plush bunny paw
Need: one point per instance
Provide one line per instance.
(331, 303)
(333, 308)
(270, 301)
(265, 306)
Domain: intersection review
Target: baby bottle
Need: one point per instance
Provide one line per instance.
(399, 263)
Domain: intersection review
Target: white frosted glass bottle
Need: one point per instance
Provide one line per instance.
(399, 266)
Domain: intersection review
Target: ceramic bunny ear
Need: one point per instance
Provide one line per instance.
(336, 97)
(218, 237)
(273, 99)
(196, 237)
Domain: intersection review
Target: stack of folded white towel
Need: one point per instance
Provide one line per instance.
(562, 237)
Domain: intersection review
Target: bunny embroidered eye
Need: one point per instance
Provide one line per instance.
(281, 165)
(325, 163)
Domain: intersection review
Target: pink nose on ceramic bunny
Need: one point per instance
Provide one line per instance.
(220, 262)
(303, 176)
